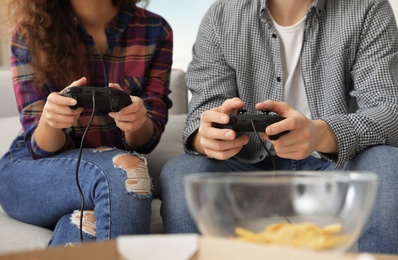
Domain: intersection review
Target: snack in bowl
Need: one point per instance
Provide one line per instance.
(304, 235)
(329, 206)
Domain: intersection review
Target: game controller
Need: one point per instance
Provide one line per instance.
(106, 99)
(241, 122)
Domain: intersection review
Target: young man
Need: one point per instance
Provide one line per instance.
(329, 67)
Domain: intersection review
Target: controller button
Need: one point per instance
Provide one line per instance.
(242, 111)
(114, 103)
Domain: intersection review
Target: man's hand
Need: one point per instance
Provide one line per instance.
(217, 143)
(304, 137)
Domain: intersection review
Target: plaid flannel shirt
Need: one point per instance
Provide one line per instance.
(138, 57)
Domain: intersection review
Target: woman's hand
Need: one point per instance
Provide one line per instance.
(56, 116)
(132, 117)
(133, 121)
(304, 137)
(57, 113)
(217, 143)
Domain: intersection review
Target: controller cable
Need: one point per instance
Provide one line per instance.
(77, 168)
(273, 166)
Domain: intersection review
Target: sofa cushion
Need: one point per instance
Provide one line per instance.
(19, 236)
(179, 93)
(8, 105)
(10, 129)
(169, 147)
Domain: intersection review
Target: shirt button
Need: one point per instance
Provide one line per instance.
(278, 79)
(274, 36)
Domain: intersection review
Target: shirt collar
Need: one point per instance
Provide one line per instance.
(319, 6)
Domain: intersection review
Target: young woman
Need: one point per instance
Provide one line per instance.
(101, 43)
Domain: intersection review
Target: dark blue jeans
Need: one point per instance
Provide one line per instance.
(380, 235)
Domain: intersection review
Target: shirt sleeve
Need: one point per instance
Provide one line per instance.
(155, 96)
(30, 100)
(375, 80)
(209, 77)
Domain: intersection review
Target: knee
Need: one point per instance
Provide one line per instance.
(88, 221)
(376, 158)
(380, 160)
(171, 179)
(138, 180)
(172, 170)
(176, 168)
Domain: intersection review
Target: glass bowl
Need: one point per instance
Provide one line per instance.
(222, 202)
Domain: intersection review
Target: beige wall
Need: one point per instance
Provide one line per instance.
(4, 38)
(394, 4)
(4, 55)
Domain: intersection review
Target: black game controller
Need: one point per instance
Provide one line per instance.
(241, 122)
(106, 99)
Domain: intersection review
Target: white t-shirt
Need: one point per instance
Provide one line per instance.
(291, 38)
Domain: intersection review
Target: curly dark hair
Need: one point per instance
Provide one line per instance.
(52, 39)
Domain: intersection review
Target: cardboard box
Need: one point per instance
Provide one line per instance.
(181, 247)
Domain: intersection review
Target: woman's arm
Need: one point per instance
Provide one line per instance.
(41, 138)
(154, 97)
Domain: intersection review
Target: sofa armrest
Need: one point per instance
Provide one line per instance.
(170, 144)
(179, 93)
(8, 105)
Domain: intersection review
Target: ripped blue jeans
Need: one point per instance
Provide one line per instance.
(115, 184)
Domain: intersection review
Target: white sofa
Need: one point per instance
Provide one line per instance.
(18, 236)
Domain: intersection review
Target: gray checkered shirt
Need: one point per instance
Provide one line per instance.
(349, 64)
